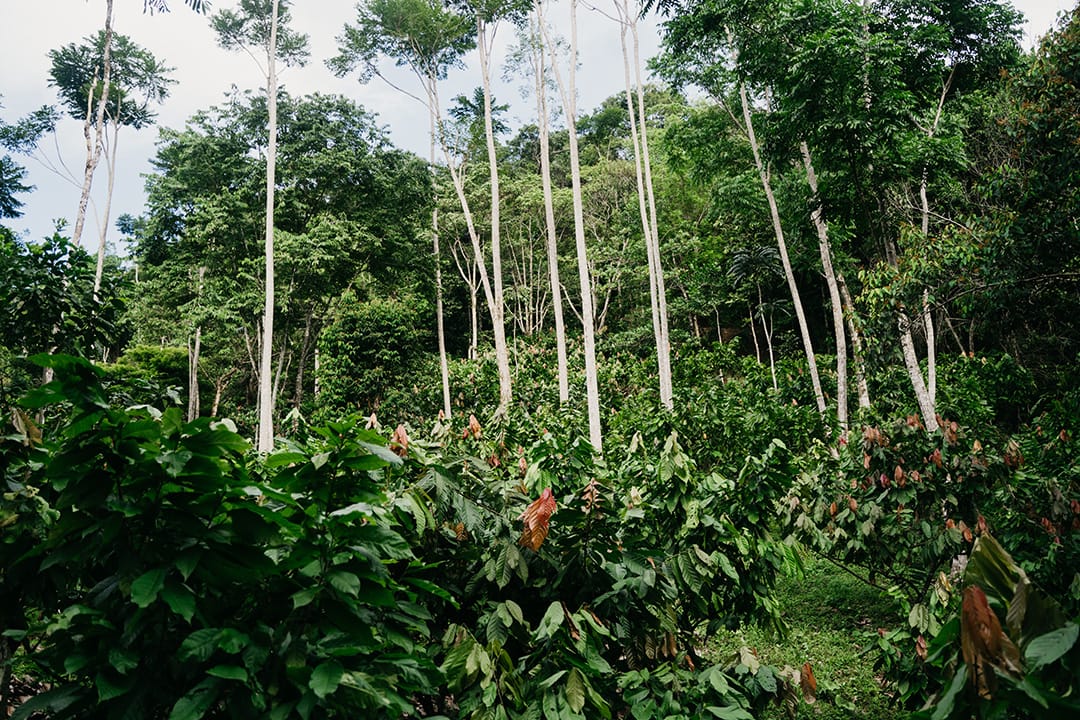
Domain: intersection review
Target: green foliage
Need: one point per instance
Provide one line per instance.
(368, 347)
(176, 580)
(1016, 656)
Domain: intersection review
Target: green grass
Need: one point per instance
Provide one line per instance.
(831, 617)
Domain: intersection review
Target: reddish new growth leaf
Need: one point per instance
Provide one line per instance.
(399, 441)
(473, 428)
(983, 643)
(536, 519)
(920, 648)
(808, 683)
(372, 422)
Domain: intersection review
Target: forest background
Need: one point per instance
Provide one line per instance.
(516, 419)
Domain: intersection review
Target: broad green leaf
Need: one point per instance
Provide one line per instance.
(228, 672)
(199, 645)
(145, 588)
(575, 691)
(551, 621)
(945, 706)
(552, 679)
(1047, 648)
(111, 686)
(301, 598)
(345, 582)
(280, 459)
(180, 600)
(195, 704)
(730, 712)
(726, 566)
(233, 641)
(326, 678)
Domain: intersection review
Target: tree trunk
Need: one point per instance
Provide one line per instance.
(766, 183)
(444, 366)
(266, 395)
(93, 148)
(305, 348)
(834, 293)
(193, 376)
(569, 99)
(194, 408)
(856, 342)
(110, 162)
(549, 215)
(911, 362)
(502, 355)
(664, 350)
(646, 209)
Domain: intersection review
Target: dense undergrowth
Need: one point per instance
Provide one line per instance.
(501, 569)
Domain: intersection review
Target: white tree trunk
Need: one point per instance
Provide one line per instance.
(444, 367)
(93, 148)
(568, 92)
(825, 250)
(193, 376)
(266, 394)
(110, 162)
(549, 214)
(766, 183)
(647, 206)
(911, 363)
(498, 310)
(856, 342)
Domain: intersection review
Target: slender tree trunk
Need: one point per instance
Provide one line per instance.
(194, 408)
(825, 250)
(856, 342)
(266, 395)
(110, 161)
(664, 349)
(549, 212)
(193, 376)
(444, 366)
(502, 355)
(766, 183)
(645, 204)
(569, 98)
(753, 331)
(911, 362)
(305, 348)
(93, 148)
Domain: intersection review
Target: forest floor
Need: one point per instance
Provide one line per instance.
(831, 618)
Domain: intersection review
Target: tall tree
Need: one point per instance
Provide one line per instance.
(646, 200)
(487, 15)
(568, 92)
(428, 39)
(138, 80)
(539, 69)
(263, 23)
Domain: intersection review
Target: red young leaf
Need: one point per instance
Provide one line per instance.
(536, 519)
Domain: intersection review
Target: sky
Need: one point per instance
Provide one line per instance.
(205, 74)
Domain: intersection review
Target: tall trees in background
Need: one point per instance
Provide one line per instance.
(138, 81)
(428, 39)
(568, 92)
(263, 24)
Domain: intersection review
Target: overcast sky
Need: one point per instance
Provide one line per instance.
(205, 73)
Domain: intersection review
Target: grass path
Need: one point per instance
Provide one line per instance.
(831, 617)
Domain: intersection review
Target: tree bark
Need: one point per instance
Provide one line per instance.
(647, 208)
(266, 394)
(825, 250)
(549, 214)
(110, 161)
(774, 211)
(569, 99)
(502, 355)
(93, 149)
(444, 366)
(856, 342)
